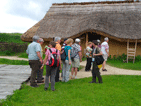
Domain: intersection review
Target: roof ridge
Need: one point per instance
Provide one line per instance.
(100, 2)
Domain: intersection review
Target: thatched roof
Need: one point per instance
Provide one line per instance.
(119, 21)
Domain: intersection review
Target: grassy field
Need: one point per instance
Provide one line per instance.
(115, 91)
(120, 64)
(11, 37)
(22, 55)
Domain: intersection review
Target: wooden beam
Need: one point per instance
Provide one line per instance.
(86, 39)
(127, 49)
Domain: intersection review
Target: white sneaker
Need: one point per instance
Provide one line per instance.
(75, 77)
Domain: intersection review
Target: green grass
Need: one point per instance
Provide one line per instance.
(11, 38)
(115, 91)
(84, 58)
(120, 64)
(22, 55)
(13, 62)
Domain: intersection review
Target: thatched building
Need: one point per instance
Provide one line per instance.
(120, 21)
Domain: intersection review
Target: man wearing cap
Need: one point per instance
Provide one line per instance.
(40, 71)
(105, 51)
(76, 53)
(58, 47)
(35, 59)
(98, 41)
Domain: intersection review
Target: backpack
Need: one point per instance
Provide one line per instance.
(98, 59)
(63, 56)
(54, 60)
(73, 53)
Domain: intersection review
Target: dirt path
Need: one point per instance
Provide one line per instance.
(13, 58)
(83, 74)
(110, 71)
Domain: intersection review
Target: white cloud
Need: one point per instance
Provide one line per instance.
(20, 15)
(10, 23)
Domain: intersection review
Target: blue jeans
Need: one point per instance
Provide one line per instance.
(66, 68)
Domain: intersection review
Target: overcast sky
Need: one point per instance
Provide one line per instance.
(20, 15)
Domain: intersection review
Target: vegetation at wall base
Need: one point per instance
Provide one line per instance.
(118, 61)
(124, 57)
(119, 90)
(11, 44)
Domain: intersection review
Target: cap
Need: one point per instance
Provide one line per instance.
(95, 42)
(77, 40)
(41, 40)
(98, 40)
(105, 39)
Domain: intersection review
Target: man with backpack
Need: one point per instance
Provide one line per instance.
(52, 61)
(76, 57)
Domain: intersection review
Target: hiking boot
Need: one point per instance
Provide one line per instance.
(104, 70)
(72, 77)
(54, 90)
(40, 81)
(75, 77)
(45, 89)
(34, 86)
(92, 82)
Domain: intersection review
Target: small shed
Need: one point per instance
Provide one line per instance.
(118, 20)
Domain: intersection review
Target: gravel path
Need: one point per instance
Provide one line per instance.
(82, 73)
(13, 58)
(110, 71)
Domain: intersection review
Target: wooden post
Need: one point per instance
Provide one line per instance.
(135, 50)
(86, 39)
(127, 49)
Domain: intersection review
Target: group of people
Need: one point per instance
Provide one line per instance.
(73, 58)
(95, 49)
(53, 60)
(104, 47)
